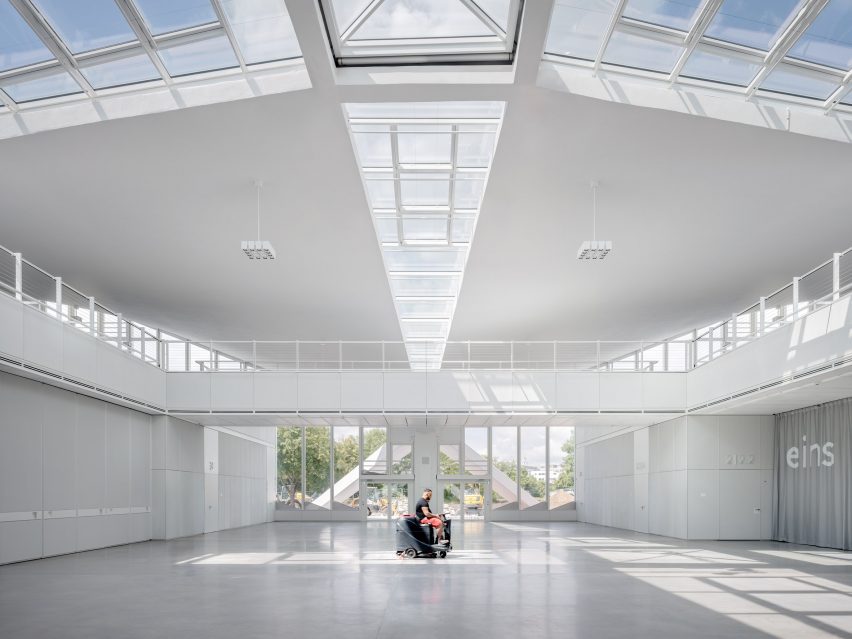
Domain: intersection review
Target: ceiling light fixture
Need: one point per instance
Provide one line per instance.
(258, 249)
(594, 249)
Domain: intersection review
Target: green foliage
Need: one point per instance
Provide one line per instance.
(317, 454)
(345, 456)
(566, 477)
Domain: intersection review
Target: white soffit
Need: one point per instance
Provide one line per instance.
(425, 167)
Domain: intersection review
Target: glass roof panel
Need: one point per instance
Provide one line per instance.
(420, 328)
(497, 10)
(434, 191)
(577, 27)
(752, 23)
(424, 308)
(263, 30)
(426, 228)
(468, 192)
(40, 85)
(630, 49)
(373, 148)
(346, 11)
(416, 259)
(462, 229)
(847, 100)
(425, 285)
(674, 14)
(130, 68)
(409, 155)
(398, 19)
(19, 45)
(828, 40)
(475, 149)
(380, 193)
(388, 229)
(717, 65)
(86, 25)
(165, 16)
(416, 147)
(794, 81)
(209, 53)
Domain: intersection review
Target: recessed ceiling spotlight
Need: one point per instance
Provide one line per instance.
(594, 249)
(258, 249)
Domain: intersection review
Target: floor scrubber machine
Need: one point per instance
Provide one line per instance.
(414, 539)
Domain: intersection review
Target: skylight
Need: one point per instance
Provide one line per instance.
(54, 48)
(421, 31)
(788, 49)
(425, 167)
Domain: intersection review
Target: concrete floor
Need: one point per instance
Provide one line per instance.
(502, 580)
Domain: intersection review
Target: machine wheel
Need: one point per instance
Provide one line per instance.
(442, 554)
(410, 553)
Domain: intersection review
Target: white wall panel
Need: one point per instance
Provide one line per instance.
(79, 354)
(739, 504)
(60, 536)
(11, 326)
(20, 445)
(211, 502)
(496, 390)
(92, 532)
(621, 391)
(232, 391)
(361, 391)
(42, 340)
(91, 453)
(703, 504)
(739, 442)
(60, 457)
(319, 391)
(404, 391)
(640, 502)
(453, 391)
(276, 391)
(188, 391)
(140, 527)
(140, 462)
(534, 392)
(702, 441)
(663, 391)
(577, 391)
(117, 457)
(20, 540)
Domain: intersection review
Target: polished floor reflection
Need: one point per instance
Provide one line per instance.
(520, 580)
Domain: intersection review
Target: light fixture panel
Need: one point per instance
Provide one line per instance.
(258, 250)
(594, 249)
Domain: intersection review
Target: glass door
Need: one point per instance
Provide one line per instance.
(385, 500)
(466, 500)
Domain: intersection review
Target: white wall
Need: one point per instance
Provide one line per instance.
(74, 472)
(695, 477)
(235, 481)
(208, 479)
(177, 478)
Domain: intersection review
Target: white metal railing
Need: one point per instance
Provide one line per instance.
(50, 295)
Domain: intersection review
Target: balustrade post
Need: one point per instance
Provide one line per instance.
(19, 277)
(835, 276)
(59, 298)
(795, 298)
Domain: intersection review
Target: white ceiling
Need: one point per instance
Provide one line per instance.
(147, 214)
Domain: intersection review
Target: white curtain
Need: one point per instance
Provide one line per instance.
(813, 475)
